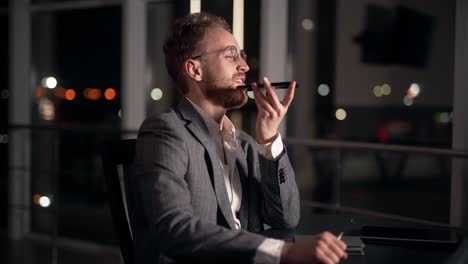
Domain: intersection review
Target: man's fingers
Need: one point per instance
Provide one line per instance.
(337, 249)
(332, 246)
(290, 95)
(271, 93)
(323, 257)
(260, 100)
(334, 242)
(328, 252)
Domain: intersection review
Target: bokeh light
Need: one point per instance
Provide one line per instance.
(70, 94)
(386, 89)
(110, 94)
(92, 93)
(40, 91)
(60, 92)
(307, 24)
(44, 201)
(323, 89)
(46, 109)
(377, 91)
(340, 114)
(408, 101)
(49, 82)
(156, 94)
(414, 90)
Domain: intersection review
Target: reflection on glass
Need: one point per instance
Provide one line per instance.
(76, 59)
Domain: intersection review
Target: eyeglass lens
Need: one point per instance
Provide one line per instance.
(235, 53)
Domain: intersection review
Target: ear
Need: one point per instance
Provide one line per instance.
(193, 69)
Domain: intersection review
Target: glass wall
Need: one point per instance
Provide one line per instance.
(76, 58)
(4, 94)
(380, 73)
(369, 72)
(160, 92)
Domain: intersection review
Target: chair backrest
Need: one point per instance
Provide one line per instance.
(117, 158)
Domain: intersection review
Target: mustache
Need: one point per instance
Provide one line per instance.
(239, 75)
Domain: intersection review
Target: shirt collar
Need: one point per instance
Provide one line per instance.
(214, 128)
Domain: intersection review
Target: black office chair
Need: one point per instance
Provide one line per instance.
(117, 157)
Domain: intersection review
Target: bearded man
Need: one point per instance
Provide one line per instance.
(203, 190)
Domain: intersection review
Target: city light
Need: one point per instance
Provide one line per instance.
(340, 114)
(49, 82)
(377, 91)
(442, 117)
(41, 200)
(381, 90)
(60, 92)
(40, 91)
(408, 101)
(156, 94)
(46, 109)
(382, 135)
(445, 117)
(44, 201)
(307, 24)
(386, 89)
(413, 90)
(323, 89)
(70, 94)
(110, 94)
(92, 93)
(36, 198)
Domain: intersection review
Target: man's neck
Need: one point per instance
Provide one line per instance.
(214, 111)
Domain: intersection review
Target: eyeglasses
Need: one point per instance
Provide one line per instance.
(230, 52)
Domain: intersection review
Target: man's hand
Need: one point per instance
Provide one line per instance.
(270, 110)
(321, 248)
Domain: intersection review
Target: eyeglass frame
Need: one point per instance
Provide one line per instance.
(236, 54)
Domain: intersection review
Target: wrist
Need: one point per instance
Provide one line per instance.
(263, 140)
(285, 252)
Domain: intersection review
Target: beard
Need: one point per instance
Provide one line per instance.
(222, 93)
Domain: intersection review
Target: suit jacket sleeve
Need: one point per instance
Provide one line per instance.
(164, 199)
(280, 205)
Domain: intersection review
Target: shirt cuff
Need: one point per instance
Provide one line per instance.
(269, 251)
(273, 149)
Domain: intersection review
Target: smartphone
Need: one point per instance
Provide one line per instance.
(277, 85)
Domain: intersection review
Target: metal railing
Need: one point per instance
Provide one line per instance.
(340, 146)
(312, 144)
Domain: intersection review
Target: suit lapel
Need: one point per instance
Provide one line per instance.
(241, 163)
(199, 130)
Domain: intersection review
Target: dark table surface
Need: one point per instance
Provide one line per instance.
(379, 252)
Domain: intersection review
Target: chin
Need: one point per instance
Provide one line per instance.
(236, 100)
(229, 99)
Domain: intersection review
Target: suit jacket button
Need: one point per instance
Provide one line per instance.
(282, 179)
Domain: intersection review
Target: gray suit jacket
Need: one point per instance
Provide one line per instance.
(179, 207)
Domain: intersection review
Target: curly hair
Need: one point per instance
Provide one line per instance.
(186, 34)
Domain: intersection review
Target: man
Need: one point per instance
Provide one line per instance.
(202, 190)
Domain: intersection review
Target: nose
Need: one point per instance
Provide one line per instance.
(242, 66)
